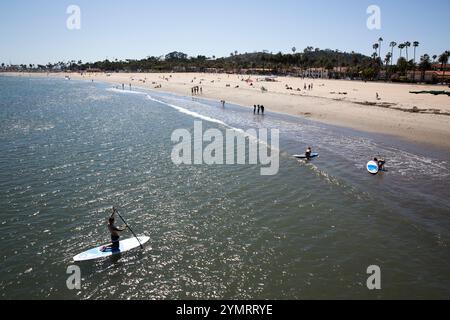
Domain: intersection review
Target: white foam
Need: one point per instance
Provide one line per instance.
(192, 113)
(125, 91)
(209, 119)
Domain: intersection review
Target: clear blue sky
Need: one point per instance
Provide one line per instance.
(34, 31)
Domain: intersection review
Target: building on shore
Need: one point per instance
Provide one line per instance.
(316, 73)
(94, 70)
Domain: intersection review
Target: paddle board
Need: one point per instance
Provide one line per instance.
(125, 245)
(372, 167)
(298, 156)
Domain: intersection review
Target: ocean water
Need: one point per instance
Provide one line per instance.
(70, 150)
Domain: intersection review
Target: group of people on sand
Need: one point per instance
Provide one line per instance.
(308, 87)
(258, 109)
(196, 90)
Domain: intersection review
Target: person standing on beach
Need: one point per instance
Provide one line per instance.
(259, 108)
(254, 109)
(262, 110)
(123, 86)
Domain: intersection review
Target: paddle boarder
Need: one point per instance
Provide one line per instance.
(381, 163)
(115, 233)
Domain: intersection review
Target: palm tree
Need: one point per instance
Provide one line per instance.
(434, 58)
(380, 40)
(407, 45)
(443, 59)
(402, 65)
(375, 47)
(393, 44)
(401, 46)
(425, 64)
(415, 45)
(388, 58)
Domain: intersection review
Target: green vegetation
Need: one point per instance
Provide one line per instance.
(310, 62)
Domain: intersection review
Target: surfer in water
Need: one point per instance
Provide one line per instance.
(381, 163)
(115, 233)
(308, 153)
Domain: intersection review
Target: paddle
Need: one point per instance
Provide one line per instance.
(134, 234)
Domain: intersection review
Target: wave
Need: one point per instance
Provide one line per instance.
(125, 91)
(212, 120)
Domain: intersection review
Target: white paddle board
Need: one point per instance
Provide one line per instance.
(302, 156)
(97, 253)
(372, 167)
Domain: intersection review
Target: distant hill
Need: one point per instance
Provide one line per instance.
(262, 62)
(255, 63)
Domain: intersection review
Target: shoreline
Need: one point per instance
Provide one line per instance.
(398, 113)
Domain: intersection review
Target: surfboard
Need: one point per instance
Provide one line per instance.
(96, 253)
(372, 167)
(302, 156)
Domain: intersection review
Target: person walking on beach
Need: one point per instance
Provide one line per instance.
(259, 108)
(262, 110)
(115, 233)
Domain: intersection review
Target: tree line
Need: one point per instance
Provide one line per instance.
(404, 64)
(337, 64)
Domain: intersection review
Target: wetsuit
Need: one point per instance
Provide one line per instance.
(308, 154)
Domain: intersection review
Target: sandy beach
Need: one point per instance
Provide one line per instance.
(421, 118)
